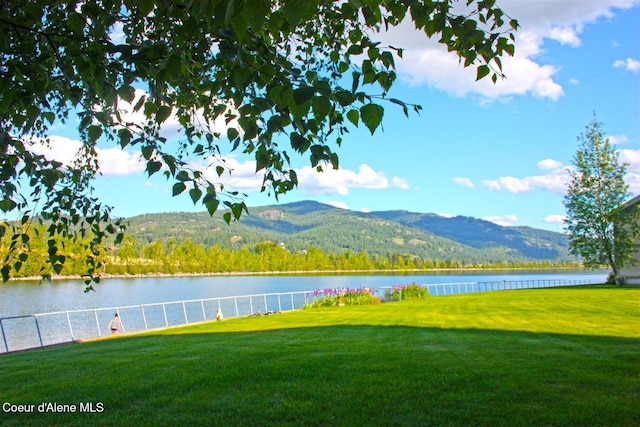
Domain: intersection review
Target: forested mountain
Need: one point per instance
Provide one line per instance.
(529, 242)
(302, 225)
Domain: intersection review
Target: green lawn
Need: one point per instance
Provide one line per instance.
(561, 357)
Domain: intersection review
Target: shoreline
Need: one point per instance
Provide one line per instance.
(291, 273)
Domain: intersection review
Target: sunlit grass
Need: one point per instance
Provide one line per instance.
(526, 357)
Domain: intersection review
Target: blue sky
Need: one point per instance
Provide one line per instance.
(497, 152)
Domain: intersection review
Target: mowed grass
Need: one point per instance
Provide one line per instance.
(561, 357)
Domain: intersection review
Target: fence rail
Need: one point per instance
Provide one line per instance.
(45, 329)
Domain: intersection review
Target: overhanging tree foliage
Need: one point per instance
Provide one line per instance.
(601, 230)
(285, 76)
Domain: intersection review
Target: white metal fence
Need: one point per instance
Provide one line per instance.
(44, 329)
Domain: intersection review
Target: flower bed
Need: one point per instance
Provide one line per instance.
(340, 297)
(410, 291)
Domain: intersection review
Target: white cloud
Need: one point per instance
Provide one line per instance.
(555, 180)
(566, 35)
(632, 157)
(549, 164)
(117, 162)
(338, 204)
(632, 178)
(428, 62)
(171, 127)
(555, 183)
(557, 177)
(400, 183)
(112, 161)
(554, 219)
(618, 139)
(505, 221)
(339, 181)
(243, 177)
(465, 182)
(238, 176)
(60, 148)
(628, 64)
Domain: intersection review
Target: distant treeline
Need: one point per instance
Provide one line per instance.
(186, 257)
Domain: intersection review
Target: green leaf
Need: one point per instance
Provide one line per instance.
(232, 133)
(195, 194)
(296, 10)
(145, 6)
(321, 107)
(211, 203)
(345, 98)
(140, 103)
(57, 268)
(371, 115)
(303, 94)
(7, 205)
(150, 108)
(353, 116)
(178, 188)
(263, 159)
(127, 93)
(237, 209)
(147, 152)
(299, 143)
(239, 25)
(94, 132)
(6, 272)
(163, 113)
(483, 71)
(183, 176)
(125, 137)
(153, 167)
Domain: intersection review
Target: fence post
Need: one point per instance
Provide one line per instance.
(184, 310)
(250, 304)
(204, 315)
(266, 309)
(4, 337)
(279, 304)
(292, 306)
(144, 318)
(124, 331)
(38, 329)
(95, 313)
(164, 311)
(70, 328)
(235, 300)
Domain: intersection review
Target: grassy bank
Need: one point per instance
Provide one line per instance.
(526, 357)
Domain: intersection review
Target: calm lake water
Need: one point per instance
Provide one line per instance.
(19, 298)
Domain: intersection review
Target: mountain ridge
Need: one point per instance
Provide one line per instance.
(304, 224)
